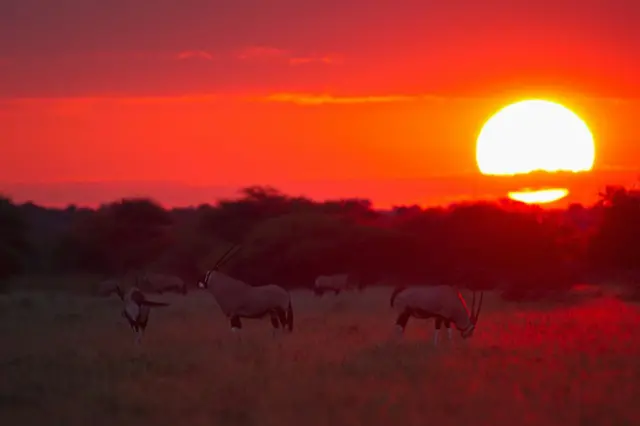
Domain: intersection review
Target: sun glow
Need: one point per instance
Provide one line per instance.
(539, 197)
(534, 135)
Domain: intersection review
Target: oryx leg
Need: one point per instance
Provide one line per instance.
(129, 320)
(402, 320)
(141, 329)
(236, 325)
(447, 323)
(436, 334)
(138, 337)
(274, 321)
(282, 316)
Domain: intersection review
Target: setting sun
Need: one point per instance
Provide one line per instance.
(535, 135)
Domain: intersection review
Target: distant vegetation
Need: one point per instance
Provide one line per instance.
(524, 251)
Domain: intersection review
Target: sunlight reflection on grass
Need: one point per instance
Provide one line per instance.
(539, 365)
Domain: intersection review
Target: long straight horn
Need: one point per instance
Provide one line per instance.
(228, 255)
(119, 292)
(223, 257)
(473, 304)
(477, 314)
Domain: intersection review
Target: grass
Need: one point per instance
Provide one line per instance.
(69, 359)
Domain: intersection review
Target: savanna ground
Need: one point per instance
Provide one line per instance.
(69, 359)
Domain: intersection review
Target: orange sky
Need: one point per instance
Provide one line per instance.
(320, 98)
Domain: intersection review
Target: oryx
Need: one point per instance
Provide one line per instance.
(442, 302)
(136, 307)
(238, 299)
(335, 283)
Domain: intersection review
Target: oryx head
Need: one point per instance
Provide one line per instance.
(473, 316)
(204, 282)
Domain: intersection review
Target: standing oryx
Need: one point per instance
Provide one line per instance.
(335, 283)
(238, 300)
(442, 302)
(136, 308)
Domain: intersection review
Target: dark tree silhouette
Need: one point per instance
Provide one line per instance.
(14, 246)
(523, 250)
(119, 236)
(616, 243)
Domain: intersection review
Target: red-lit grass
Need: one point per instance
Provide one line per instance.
(71, 360)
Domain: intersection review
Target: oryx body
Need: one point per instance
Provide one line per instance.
(136, 307)
(238, 299)
(442, 302)
(335, 283)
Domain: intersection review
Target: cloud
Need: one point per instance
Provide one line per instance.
(147, 56)
(295, 98)
(261, 52)
(617, 168)
(301, 60)
(322, 99)
(194, 54)
(70, 105)
(552, 40)
(273, 53)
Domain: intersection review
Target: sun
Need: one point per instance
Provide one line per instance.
(535, 135)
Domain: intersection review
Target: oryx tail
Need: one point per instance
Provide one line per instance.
(290, 315)
(395, 292)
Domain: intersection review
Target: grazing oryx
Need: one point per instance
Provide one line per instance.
(136, 308)
(161, 283)
(442, 302)
(238, 300)
(335, 283)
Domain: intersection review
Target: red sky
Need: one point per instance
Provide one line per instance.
(378, 99)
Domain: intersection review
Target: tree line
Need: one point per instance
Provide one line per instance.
(522, 250)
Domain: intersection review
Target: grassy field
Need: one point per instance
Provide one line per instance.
(69, 359)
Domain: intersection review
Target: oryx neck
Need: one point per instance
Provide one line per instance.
(462, 317)
(219, 280)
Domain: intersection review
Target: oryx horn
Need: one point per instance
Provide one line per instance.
(475, 311)
(226, 256)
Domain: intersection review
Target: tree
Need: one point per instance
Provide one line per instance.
(120, 236)
(616, 243)
(14, 246)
